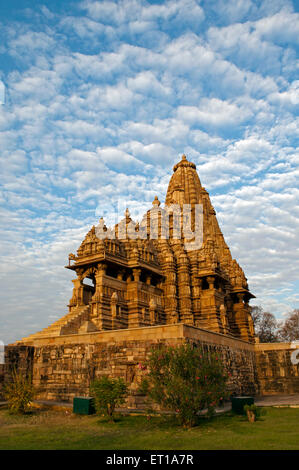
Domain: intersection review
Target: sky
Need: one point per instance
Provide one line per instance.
(99, 99)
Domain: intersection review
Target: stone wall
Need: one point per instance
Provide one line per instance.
(19, 358)
(64, 366)
(276, 373)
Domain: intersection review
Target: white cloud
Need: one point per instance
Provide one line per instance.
(119, 159)
(132, 10)
(2, 92)
(31, 41)
(14, 163)
(280, 28)
(214, 112)
(47, 12)
(165, 131)
(256, 45)
(146, 82)
(85, 27)
(288, 98)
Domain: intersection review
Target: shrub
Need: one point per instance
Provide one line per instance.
(108, 393)
(185, 379)
(19, 393)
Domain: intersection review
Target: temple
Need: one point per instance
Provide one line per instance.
(166, 280)
(144, 274)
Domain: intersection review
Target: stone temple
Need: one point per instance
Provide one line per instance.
(139, 286)
(143, 282)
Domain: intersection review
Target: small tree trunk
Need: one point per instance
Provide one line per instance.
(110, 410)
(250, 416)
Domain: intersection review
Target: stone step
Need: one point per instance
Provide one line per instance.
(55, 328)
(74, 324)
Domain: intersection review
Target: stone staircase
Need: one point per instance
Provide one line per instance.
(67, 325)
(73, 324)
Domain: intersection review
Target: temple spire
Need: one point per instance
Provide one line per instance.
(184, 186)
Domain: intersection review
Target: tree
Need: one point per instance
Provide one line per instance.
(108, 393)
(256, 314)
(265, 325)
(186, 380)
(289, 329)
(267, 328)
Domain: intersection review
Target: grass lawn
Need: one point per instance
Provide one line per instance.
(277, 430)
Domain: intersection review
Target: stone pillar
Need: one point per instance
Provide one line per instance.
(184, 289)
(224, 319)
(210, 315)
(136, 274)
(241, 318)
(195, 288)
(215, 323)
(114, 310)
(153, 312)
(77, 297)
(170, 284)
(100, 308)
(134, 306)
(99, 281)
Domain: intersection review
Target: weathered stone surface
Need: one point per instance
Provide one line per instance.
(276, 373)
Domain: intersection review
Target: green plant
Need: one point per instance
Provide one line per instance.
(108, 394)
(186, 380)
(19, 393)
(253, 412)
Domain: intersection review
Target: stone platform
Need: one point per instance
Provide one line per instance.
(63, 366)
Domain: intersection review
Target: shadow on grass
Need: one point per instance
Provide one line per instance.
(146, 422)
(169, 422)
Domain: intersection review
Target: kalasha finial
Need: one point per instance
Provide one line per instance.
(185, 163)
(127, 214)
(156, 201)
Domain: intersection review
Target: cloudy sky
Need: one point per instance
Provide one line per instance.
(100, 98)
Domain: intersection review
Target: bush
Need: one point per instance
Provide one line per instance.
(19, 393)
(186, 380)
(108, 394)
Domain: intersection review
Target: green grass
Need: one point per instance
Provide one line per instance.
(277, 430)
